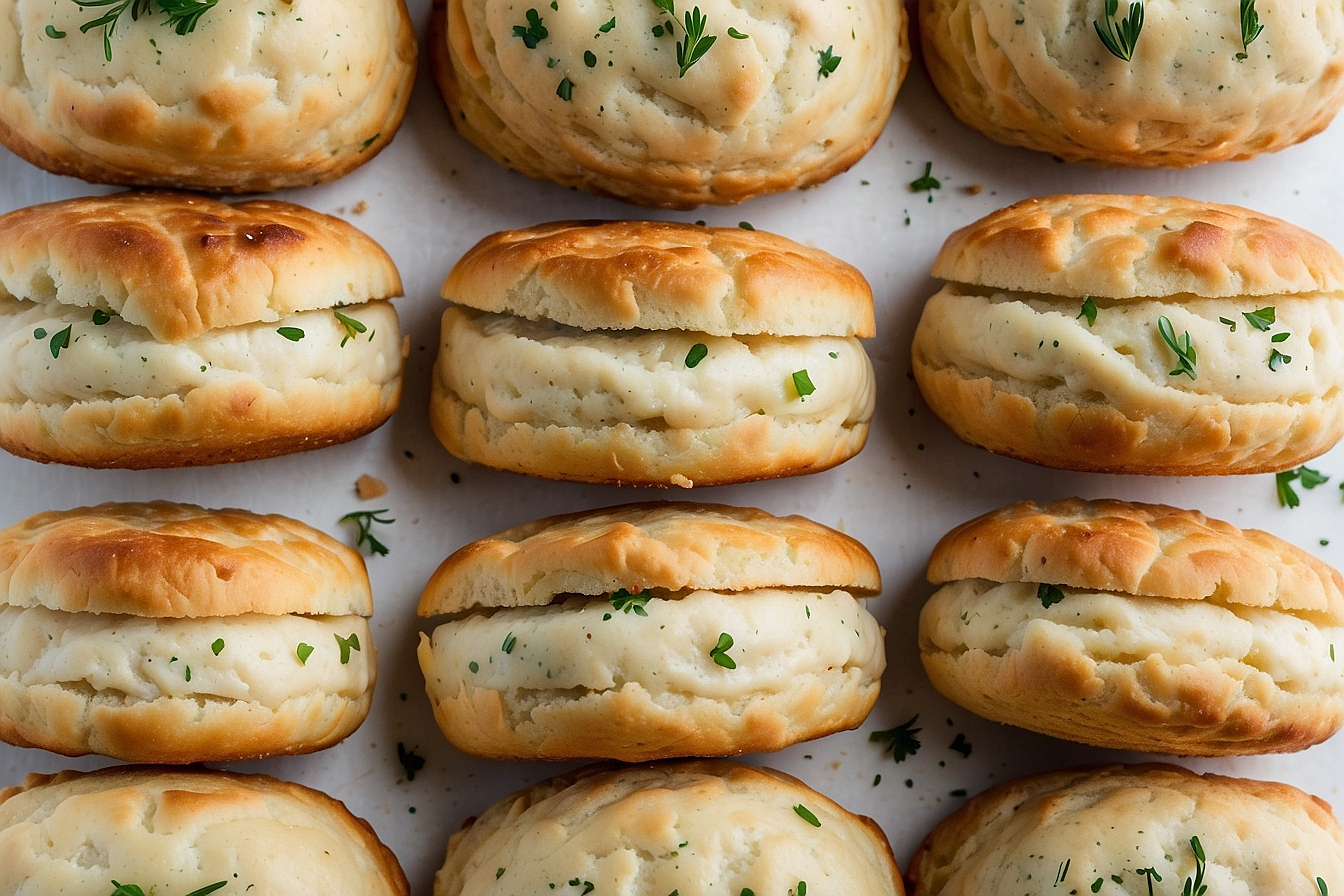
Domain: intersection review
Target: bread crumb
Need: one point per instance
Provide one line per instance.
(973, 190)
(678, 479)
(368, 487)
(361, 207)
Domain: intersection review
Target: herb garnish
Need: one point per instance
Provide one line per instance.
(353, 327)
(1277, 359)
(607, 26)
(807, 815)
(534, 32)
(626, 602)
(802, 384)
(1309, 479)
(412, 762)
(719, 652)
(926, 181)
(347, 645)
(217, 647)
(509, 641)
(135, 890)
(183, 15)
(1250, 26)
(590, 58)
(293, 334)
(303, 651)
(961, 745)
(1320, 885)
(365, 519)
(1185, 351)
(1196, 887)
(565, 89)
(1151, 874)
(696, 354)
(801, 889)
(827, 62)
(59, 341)
(1231, 324)
(1096, 884)
(1261, 319)
(697, 42)
(1089, 311)
(1048, 595)
(1120, 42)
(53, 33)
(900, 741)
(100, 317)
(587, 886)
(738, 35)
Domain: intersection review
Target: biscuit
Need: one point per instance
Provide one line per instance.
(171, 831)
(602, 635)
(1060, 338)
(169, 633)
(1037, 74)
(1115, 830)
(690, 827)
(1136, 627)
(152, 329)
(255, 97)
(599, 98)
(652, 353)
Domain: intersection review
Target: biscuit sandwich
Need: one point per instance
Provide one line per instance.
(1136, 334)
(1117, 830)
(667, 104)
(151, 329)
(1138, 84)
(235, 98)
(645, 353)
(651, 631)
(696, 828)
(175, 832)
(169, 633)
(1136, 627)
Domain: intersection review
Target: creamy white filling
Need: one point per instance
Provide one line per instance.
(117, 359)
(139, 658)
(541, 372)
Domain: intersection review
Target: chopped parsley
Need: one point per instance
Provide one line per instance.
(53, 33)
(1121, 40)
(607, 26)
(1261, 319)
(474, 667)
(1305, 476)
(352, 327)
(961, 745)
(59, 341)
(303, 651)
(626, 602)
(293, 334)
(1277, 359)
(719, 652)
(1231, 324)
(697, 354)
(100, 317)
(365, 519)
(926, 182)
(509, 641)
(534, 32)
(347, 645)
(737, 35)
(697, 43)
(565, 89)
(802, 384)
(1185, 351)
(807, 815)
(217, 647)
(411, 762)
(1048, 595)
(1089, 311)
(827, 62)
(900, 741)
(589, 58)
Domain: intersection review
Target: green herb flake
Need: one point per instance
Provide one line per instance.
(801, 889)
(188, 675)
(53, 33)
(499, 872)
(745, 225)
(747, 892)
(352, 327)
(607, 25)
(565, 89)
(589, 58)
(303, 651)
(365, 519)
(1089, 311)
(100, 317)
(1250, 29)
(1096, 884)
(628, 603)
(412, 762)
(1120, 40)
(900, 741)
(347, 645)
(534, 32)
(719, 652)
(926, 182)
(59, 341)
(217, 647)
(209, 888)
(509, 641)
(1185, 351)
(1320, 885)
(1278, 338)
(698, 353)
(961, 745)
(697, 43)
(1261, 319)
(1048, 595)
(365, 145)
(1277, 359)
(293, 334)
(1231, 324)
(807, 815)
(474, 667)
(40, 333)
(827, 62)
(737, 35)
(802, 384)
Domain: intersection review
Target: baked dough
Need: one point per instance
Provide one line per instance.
(592, 96)
(1008, 356)
(1036, 74)
(1168, 631)
(261, 95)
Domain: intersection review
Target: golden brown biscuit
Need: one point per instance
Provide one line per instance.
(696, 827)
(252, 97)
(169, 633)
(1137, 334)
(1119, 830)
(1037, 74)
(151, 329)
(174, 831)
(1136, 627)
(653, 354)
(652, 631)
(601, 98)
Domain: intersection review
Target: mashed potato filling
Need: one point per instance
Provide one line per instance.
(540, 372)
(115, 359)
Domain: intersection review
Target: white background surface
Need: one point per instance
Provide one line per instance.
(431, 195)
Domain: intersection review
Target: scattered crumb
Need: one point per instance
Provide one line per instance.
(340, 209)
(361, 207)
(369, 487)
(678, 479)
(973, 190)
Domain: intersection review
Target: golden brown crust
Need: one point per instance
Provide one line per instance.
(1142, 549)
(178, 560)
(1120, 246)
(674, 546)
(1260, 838)
(179, 264)
(661, 275)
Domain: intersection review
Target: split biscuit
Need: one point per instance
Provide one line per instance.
(1136, 334)
(176, 831)
(251, 97)
(1037, 73)
(650, 631)
(1115, 830)
(169, 633)
(1136, 627)
(154, 329)
(695, 828)
(620, 101)
(647, 353)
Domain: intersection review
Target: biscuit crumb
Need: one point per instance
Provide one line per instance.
(973, 190)
(678, 479)
(368, 487)
(361, 207)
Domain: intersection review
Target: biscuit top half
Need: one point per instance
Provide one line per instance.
(1142, 549)
(1138, 246)
(676, 546)
(178, 560)
(651, 275)
(179, 264)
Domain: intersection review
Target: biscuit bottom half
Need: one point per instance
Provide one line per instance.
(589, 679)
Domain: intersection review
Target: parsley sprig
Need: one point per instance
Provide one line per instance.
(1184, 349)
(625, 602)
(1304, 476)
(827, 62)
(1250, 26)
(697, 43)
(719, 652)
(1120, 40)
(1048, 595)
(534, 32)
(900, 741)
(365, 519)
(183, 15)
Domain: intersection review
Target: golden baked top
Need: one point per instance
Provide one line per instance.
(180, 264)
(1136, 246)
(178, 560)
(657, 275)
(1146, 549)
(674, 546)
